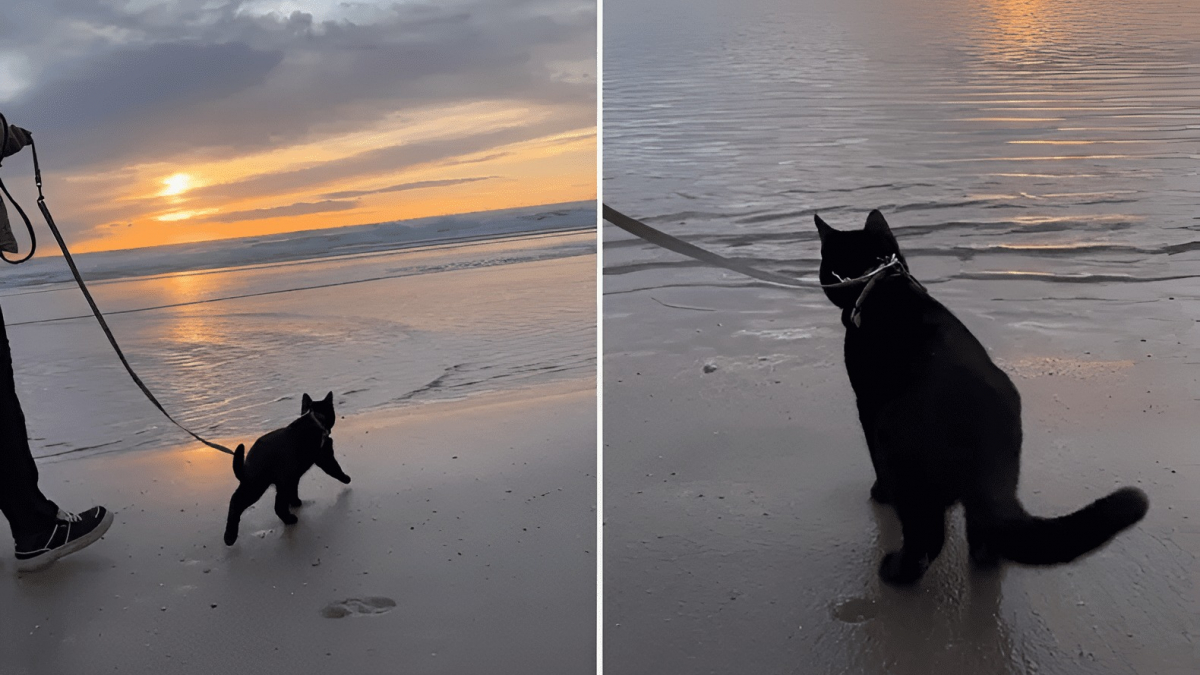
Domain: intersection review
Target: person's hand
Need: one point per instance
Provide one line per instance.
(17, 139)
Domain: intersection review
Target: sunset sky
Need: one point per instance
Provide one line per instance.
(184, 120)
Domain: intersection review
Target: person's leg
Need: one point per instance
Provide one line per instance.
(42, 533)
(28, 511)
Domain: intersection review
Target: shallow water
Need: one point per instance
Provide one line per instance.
(229, 351)
(1004, 138)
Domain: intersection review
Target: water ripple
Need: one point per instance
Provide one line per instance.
(981, 129)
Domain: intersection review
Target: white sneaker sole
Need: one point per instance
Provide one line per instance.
(44, 560)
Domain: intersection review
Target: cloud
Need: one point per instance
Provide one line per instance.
(298, 209)
(132, 88)
(119, 81)
(378, 161)
(418, 185)
(122, 93)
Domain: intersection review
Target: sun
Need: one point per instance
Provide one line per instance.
(176, 184)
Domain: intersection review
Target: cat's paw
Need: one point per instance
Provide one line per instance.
(230, 537)
(296, 503)
(344, 478)
(289, 519)
(898, 571)
(880, 495)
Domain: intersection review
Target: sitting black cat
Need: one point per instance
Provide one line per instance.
(280, 458)
(942, 422)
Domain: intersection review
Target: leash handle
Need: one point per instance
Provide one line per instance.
(4, 188)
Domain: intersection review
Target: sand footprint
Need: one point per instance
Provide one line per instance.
(358, 607)
(855, 610)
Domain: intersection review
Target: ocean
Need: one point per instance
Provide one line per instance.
(229, 334)
(1052, 143)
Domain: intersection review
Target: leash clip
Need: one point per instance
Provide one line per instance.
(892, 261)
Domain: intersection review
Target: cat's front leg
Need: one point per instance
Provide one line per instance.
(329, 464)
(881, 492)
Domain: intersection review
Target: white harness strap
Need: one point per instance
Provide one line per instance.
(890, 261)
(324, 430)
(868, 280)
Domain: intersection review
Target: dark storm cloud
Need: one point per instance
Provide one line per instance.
(131, 88)
(113, 83)
(298, 209)
(403, 187)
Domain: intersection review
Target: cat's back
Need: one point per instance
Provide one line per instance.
(960, 376)
(963, 348)
(917, 344)
(269, 449)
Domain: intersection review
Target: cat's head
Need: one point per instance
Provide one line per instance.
(322, 410)
(849, 255)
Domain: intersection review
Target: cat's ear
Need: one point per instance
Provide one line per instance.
(823, 229)
(329, 397)
(877, 223)
(305, 404)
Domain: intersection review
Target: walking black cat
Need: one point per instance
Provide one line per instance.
(281, 458)
(942, 422)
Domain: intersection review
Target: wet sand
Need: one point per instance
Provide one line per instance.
(465, 543)
(739, 537)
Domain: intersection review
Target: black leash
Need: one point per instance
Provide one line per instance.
(112, 340)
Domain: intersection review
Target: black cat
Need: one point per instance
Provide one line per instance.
(942, 422)
(280, 458)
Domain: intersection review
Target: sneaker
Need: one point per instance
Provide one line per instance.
(72, 532)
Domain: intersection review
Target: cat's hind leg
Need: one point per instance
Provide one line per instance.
(991, 497)
(243, 498)
(285, 496)
(924, 527)
(983, 552)
(880, 494)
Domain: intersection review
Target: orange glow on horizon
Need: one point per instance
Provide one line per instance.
(270, 192)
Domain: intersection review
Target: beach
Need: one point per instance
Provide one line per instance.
(739, 536)
(467, 526)
(229, 346)
(463, 374)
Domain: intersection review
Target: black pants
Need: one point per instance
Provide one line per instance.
(26, 508)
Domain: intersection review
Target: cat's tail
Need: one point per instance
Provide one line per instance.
(1049, 541)
(239, 460)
